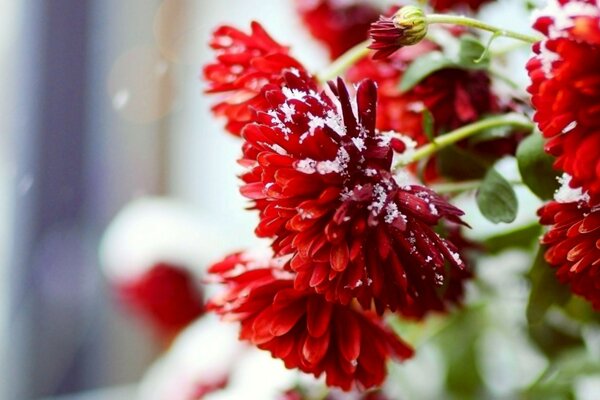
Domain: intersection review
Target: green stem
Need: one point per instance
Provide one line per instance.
(345, 61)
(473, 23)
(512, 119)
(464, 186)
(453, 187)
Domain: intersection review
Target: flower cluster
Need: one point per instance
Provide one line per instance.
(565, 88)
(350, 239)
(572, 241)
(302, 328)
(244, 65)
(321, 178)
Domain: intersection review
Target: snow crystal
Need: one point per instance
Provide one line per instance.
(567, 194)
(314, 122)
(547, 58)
(391, 213)
(288, 111)
(329, 166)
(432, 209)
(307, 166)
(359, 143)
(380, 198)
(293, 93)
(570, 127)
(456, 257)
(278, 149)
(337, 165)
(224, 41)
(334, 121)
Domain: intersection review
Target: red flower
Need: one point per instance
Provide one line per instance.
(167, 296)
(565, 89)
(573, 246)
(445, 5)
(300, 327)
(244, 65)
(338, 26)
(454, 97)
(321, 178)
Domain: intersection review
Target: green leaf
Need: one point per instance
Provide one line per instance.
(535, 166)
(422, 67)
(522, 237)
(472, 53)
(545, 289)
(428, 125)
(496, 198)
(459, 164)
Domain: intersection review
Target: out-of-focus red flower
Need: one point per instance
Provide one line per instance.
(166, 295)
(572, 242)
(445, 5)
(565, 89)
(348, 345)
(320, 175)
(244, 65)
(205, 387)
(339, 25)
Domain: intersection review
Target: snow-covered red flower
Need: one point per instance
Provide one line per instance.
(350, 346)
(244, 64)
(565, 88)
(338, 24)
(572, 242)
(406, 27)
(445, 5)
(166, 295)
(320, 175)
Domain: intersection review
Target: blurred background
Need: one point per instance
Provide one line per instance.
(101, 104)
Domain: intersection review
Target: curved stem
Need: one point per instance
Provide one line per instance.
(473, 23)
(512, 119)
(463, 186)
(345, 61)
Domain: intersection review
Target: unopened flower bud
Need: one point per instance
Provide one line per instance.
(406, 27)
(411, 21)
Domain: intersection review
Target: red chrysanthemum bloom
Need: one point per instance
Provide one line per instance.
(573, 245)
(565, 89)
(348, 345)
(320, 175)
(454, 97)
(166, 295)
(244, 65)
(338, 26)
(445, 5)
